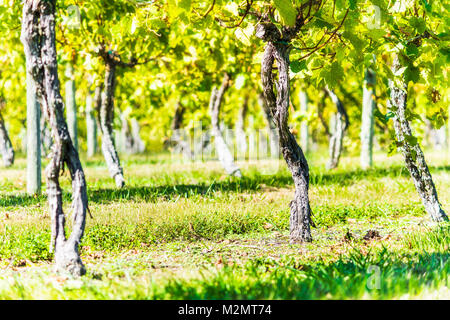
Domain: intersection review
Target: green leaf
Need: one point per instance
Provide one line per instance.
(388, 116)
(357, 42)
(418, 24)
(353, 4)
(379, 115)
(287, 12)
(410, 115)
(376, 34)
(412, 74)
(446, 53)
(412, 141)
(426, 5)
(438, 119)
(322, 23)
(297, 66)
(178, 8)
(414, 155)
(332, 74)
(411, 50)
(244, 35)
(392, 148)
(185, 4)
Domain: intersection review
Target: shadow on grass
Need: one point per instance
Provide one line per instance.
(380, 274)
(381, 277)
(346, 178)
(253, 182)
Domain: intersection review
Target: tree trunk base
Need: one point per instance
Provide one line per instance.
(300, 229)
(67, 261)
(436, 212)
(236, 173)
(8, 159)
(120, 180)
(112, 160)
(331, 166)
(412, 153)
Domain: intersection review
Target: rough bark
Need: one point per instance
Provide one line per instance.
(412, 153)
(340, 126)
(304, 135)
(300, 219)
(91, 127)
(38, 38)
(367, 119)
(71, 107)
(33, 135)
(45, 137)
(241, 138)
(106, 117)
(223, 152)
(6, 148)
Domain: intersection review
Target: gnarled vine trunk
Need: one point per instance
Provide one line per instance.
(339, 127)
(223, 152)
(412, 153)
(6, 148)
(106, 117)
(277, 50)
(33, 138)
(45, 136)
(38, 38)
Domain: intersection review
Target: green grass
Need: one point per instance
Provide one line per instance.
(187, 231)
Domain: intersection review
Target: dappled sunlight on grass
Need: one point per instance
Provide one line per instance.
(186, 230)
